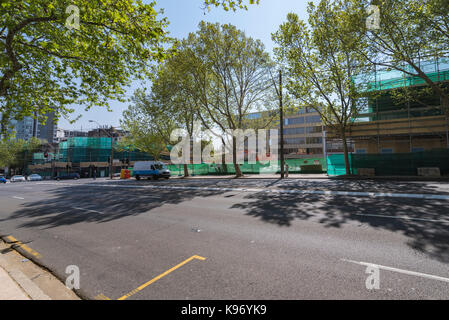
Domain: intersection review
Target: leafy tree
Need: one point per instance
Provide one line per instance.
(167, 107)
(228, 74)
(173, 89)
(46, 66)
(148, 125)
(411, 34)
(230, 4)
(17, 153)
(322, 60)
(56, 53)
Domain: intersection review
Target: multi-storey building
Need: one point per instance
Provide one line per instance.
(303, 133)
(389, 125)
(400, 134)
(30, 127)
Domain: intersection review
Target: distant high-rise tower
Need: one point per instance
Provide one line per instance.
(30, 127)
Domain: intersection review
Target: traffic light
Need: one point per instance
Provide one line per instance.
(46, 154)
(109, 160)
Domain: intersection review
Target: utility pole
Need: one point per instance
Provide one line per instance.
(111, 169)
(281, 116)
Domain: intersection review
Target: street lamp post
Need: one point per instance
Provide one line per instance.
(111, 162)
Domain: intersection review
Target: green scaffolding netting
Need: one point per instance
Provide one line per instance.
(311, 165)
(385, 79)
(398, 164)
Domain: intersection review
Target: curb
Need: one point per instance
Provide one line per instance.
(37, 261)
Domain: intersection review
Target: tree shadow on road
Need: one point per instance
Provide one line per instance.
(96, 204)
(429, 235)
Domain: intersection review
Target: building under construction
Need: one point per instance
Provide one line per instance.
(403, 126)
(85, 154)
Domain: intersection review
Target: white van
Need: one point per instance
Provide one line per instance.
(151, 170)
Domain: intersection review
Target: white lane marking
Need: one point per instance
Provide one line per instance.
(88, 210)
(20, 198)
(279, 191)
(396, 217)
(408, 272)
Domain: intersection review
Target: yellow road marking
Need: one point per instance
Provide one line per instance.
(24, 247)
(102, 297)
(160, 276)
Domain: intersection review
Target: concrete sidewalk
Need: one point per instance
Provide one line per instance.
(21, 279)
(9, 289)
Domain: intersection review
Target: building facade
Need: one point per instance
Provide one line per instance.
(30, 127)
(303, 133)
(390, 125)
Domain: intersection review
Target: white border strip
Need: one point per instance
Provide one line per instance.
(411, 273)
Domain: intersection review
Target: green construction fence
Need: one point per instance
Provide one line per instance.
(310, 165)
(395, 164)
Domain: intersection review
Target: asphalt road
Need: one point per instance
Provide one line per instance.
(237, 239)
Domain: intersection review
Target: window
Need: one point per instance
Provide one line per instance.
(254, 116)
(387, 150)
(361, 151)
(314, 140)
(313, 119)
(299, 120)
(292, 131)
(294, 141)
(314, 129)
(417, 149)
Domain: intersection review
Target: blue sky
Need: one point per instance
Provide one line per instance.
(258, 22)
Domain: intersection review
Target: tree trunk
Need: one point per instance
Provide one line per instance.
(186, 171)
(238, 172)
(223, 163)
(345, 149)
(223, 156)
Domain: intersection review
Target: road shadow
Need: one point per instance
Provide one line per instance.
(429, 235)
(99, 204)
(96, 204)
(381, 186)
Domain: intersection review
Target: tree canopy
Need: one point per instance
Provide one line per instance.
(217, 76)
(322, 59)
(412, 36)
(57, 53)
(17, 154)
(45, 66)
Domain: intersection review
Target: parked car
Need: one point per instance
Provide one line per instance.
(18, 178)
(68, 176)
(2, 179)
(34, 177)
(150, 170)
